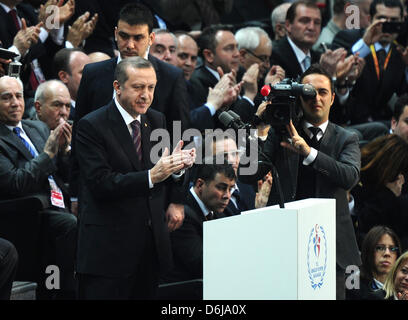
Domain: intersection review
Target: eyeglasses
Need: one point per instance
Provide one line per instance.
(381, 248)
(264, 59)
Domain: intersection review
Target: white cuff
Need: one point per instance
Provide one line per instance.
(211, 108)
(151, 185)
(311, 157)
(361, 47)
(249, 100)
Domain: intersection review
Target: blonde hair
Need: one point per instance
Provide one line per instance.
(389, 286)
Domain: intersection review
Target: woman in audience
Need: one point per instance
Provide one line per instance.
(380, 250)
(384, 166)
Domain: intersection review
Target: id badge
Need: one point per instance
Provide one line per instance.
(57, 199)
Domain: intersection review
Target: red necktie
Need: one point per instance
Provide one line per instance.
(13, 14)
(136, 136)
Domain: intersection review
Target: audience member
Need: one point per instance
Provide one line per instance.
(322, 161)
(399, 120)
(380, 249)
(27, 166)
(384, 166)
(278, 17)
(206, 200)
(98, 57)
(186, 54)
(68, 67)
(294, 52)
(164, 46)
(120, 253)
(384, 73)
(8, 268)
(134, 35)
(396, 284)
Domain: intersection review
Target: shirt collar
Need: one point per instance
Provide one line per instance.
(201, 204)
(19, 125)
(125, 115)
(300, 55)
(378, 46)
(6, 8)
(306, 125)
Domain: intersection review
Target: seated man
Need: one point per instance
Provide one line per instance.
(28, 166)
(206, 200)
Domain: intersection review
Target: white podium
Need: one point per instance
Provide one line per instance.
(272, 253)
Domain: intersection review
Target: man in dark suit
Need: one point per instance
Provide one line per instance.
(124, 197)
(322, 161)
(385, 71)
(133, 36)
(206, 200)
(294, 52)
(29, 165)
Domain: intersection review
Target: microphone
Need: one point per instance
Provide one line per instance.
(232, 120)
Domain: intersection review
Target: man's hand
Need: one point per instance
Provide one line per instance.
(217, 94)
(404, 53)
(250, 81)
(66, 137)
(81, 29)
(262, 108)
(26, 36)
(330, 59)
(52, 145)
(64, 11)
(275, 74)
(298, 144)
(374, 32)
(174, 216)
(264, 188)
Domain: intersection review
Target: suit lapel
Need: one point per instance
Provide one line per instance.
(34, 136)
(122, 134)
(11, 138)
(291, 58)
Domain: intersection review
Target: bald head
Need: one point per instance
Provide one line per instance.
(187, 51)
(98, 56)
(52, 103)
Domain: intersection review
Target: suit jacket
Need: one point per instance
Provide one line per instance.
(187, 243)
(201, 80)
(370, 96)
(337, 168)
(170, 95)
(284, 56)
(44, 52)
(21, 174)
(346, 38)
(116, 205)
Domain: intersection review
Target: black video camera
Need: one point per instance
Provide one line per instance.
(284, 107)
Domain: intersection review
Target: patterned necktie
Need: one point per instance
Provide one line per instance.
(210, 216)
(306, 62)
(314, 142)
(237, 196)
(17, 131)
(381, 58)
(137, 141)
(13, 14)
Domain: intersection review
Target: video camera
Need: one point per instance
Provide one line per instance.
(284, 107)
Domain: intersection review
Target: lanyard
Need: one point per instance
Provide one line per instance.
(387, 59)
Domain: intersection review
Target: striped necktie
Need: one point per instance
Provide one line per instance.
(17, 131)
(136, 137)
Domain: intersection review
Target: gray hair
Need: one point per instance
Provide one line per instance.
(133, 62)
(278, 14)
(163, 31)
(43, 89)
(250, 37)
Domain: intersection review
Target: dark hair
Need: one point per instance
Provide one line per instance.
(207, 38)
(207, 172)
(338, 6)
(382, 160)
(61, 60)
(291, 13)
(317, 69)
(121, 74)
(137, 14)
(388, 4)
(400, 105)
(368, 249)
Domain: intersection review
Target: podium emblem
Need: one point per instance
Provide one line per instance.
(317, 256)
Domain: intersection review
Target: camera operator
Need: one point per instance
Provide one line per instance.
(317, 159)
(385, 72)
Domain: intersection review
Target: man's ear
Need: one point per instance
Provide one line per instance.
(242, 54)
(63, 76)
(37, 107)
(208, 55)
(287, 26)
(152, 36)
(116, 86)
(393, 124)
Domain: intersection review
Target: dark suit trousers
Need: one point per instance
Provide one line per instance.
(59, 238)
(8, 268)
(142, 285)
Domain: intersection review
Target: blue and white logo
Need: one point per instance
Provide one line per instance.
(317, 256)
